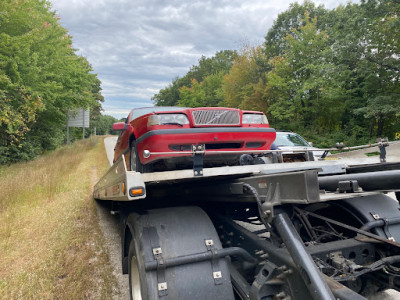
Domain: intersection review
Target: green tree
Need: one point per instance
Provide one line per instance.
(18, 111)
(169, 96)
(244, 84)
(206, 93)
(41, 79)
(221, 62)
(292, 18)
(103, 125)
(304, 88)
(380, 66)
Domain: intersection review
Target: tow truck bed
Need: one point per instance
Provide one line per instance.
(317, 229)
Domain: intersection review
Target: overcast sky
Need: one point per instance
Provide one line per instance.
(138, 47)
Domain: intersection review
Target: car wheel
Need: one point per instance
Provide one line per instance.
(133, 157)
(134, 161)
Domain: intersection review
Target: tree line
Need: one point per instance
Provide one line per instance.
(331, 75)
(41, 80)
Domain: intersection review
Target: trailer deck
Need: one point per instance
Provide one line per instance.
(119, 184)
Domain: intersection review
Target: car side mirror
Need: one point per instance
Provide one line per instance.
(311, 143)
(119, 126)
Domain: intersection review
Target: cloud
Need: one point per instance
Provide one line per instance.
(137, 47)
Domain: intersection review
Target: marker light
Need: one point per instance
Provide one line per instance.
(123, 188)
(136, 191)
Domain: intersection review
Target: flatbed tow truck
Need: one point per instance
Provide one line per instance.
(304, 230)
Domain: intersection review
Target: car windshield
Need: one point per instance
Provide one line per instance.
(289, 139)
(137, 112)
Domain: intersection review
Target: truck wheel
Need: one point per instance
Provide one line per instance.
(176, 232)
(134, 161)
(134, 272)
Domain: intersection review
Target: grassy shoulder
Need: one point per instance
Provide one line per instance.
(51, 246)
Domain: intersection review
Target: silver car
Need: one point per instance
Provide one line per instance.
(294, 143)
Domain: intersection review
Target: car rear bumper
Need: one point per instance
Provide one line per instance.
(171, 141)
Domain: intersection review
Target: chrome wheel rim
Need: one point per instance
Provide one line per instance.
(135, 280)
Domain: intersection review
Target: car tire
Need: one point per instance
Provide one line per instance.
(134, 161)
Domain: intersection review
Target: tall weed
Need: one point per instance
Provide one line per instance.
(50, 242)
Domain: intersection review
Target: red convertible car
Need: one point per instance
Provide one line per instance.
(162, 138)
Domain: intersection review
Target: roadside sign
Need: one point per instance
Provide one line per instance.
(79, 118)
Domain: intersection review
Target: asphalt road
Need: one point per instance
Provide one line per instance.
(392, 153)
(109, 144)
(110, 223)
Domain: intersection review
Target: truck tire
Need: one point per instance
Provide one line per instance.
(134, 161)
(178, 231)
(133, 265)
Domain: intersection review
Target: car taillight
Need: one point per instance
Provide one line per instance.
(254, 119)
(168, 119)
